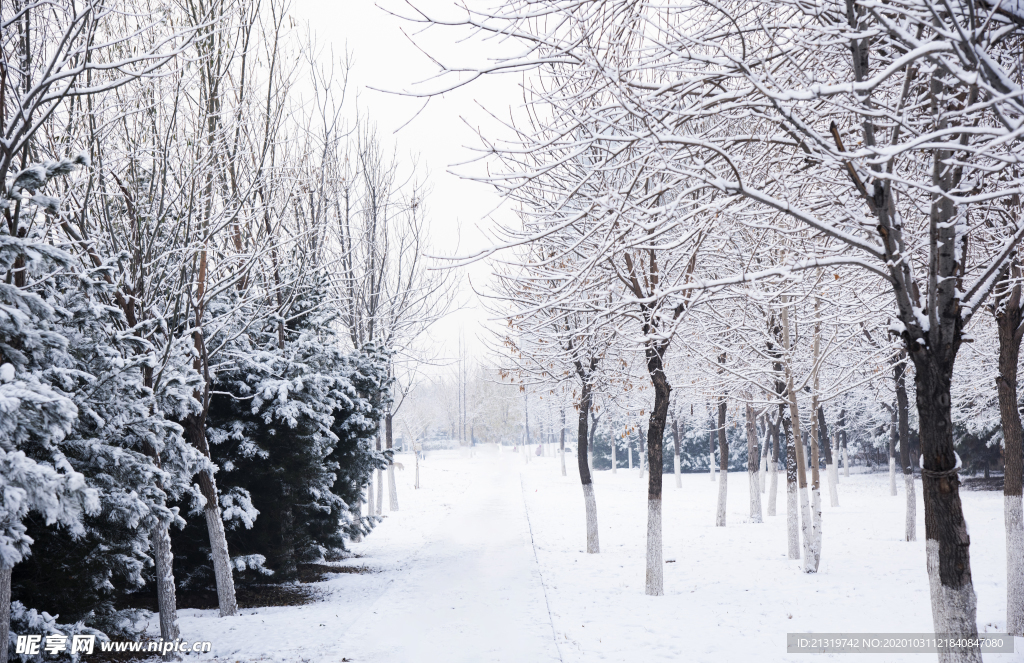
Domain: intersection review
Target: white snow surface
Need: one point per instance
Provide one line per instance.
(486, 562)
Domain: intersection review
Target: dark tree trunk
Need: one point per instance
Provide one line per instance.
(792, 517)
(582, 448)
(947, 542)
(655, 437)
(1008, 322)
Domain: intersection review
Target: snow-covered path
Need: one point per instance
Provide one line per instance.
(472, 593)
(454, 577)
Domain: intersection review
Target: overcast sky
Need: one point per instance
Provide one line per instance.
(443, 134)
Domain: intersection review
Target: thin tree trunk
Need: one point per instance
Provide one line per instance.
(842, 439)
(195, 432)
(711, 453)
(723, 459)
(629, 452)
(801, 465)
(641, 457)
(752, 467)
(561, 442)
(1009, 318)
(392, 488)
(582, 454)
(417, 454)
(615, 463)
(903, 415)
(764, 455)
(893, 436)
(675, 457)
(830, 466)
(773, 467)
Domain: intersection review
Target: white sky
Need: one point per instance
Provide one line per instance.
(385, 58)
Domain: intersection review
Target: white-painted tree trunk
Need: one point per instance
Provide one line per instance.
(1013, 517)
(755, 498)
(806, 529)
(711, 461)
(392, 489)
(590, 458)
(641, 460)
(954, 611)
(167, 605)
(655, 585)
(723, 487)
(812, 565)
(908, 488)
(417, 484)
(5, 611)
(562, 454)
(773, 490)
(763, 470)
(846, 462)
(629, 455)
(892, 476)
(380, 493)
(590, 502)
(222, 570)
(677, 470)
(615, 462)
(833, 477)
(792, 521)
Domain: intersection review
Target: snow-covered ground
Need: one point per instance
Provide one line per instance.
(486, 563)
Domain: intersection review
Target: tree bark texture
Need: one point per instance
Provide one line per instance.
(195, 432)
(723, 466)
(1008, 322)
(655, 438)
(752, 467)
(582, 455)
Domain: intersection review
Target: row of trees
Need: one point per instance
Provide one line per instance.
(212, 284)
(773, 207)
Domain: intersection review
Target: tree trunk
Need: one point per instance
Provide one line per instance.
(675, 457)
(380, 492)
(392, 488)
(830, 468)
(582, 455)
(711, 453)
(773, 467)
(590, 442)
(165, 597)
(723, 460)
(893, 436)
(1008, 321)
(947, 544)
(561, 442)
(903, 416)
(655, 585)
(792, 517)
(195, 432)
(5, 612)
(752, 467)
(764, 455)
(810, 563)
(417, 454)
(842, 439)
(629, 452)
(615, 462)
(641, 457)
